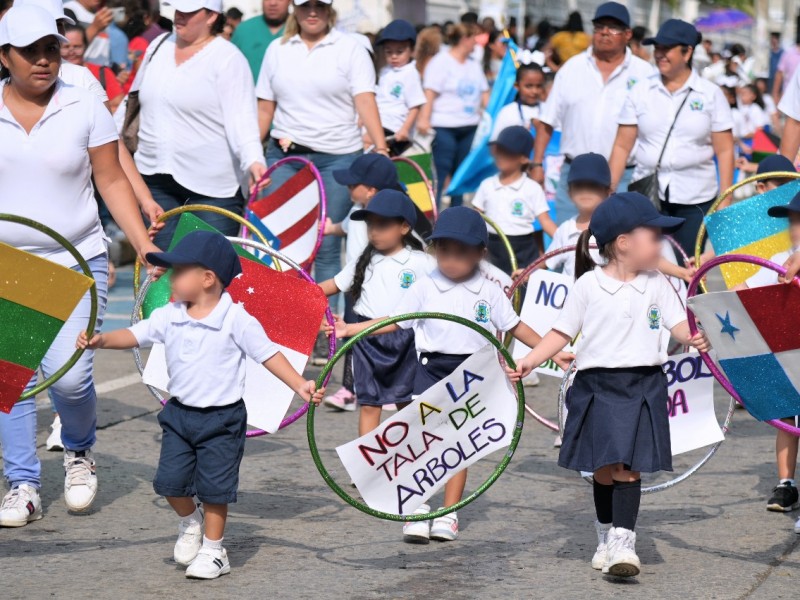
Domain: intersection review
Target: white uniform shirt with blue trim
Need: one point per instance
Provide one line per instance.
(206, 358)
(399, 90)
(477, 300)
(620, 322)
(386, 281)
(513, 206)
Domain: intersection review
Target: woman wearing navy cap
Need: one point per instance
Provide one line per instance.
(680, 124)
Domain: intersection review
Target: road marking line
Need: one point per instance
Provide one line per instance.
(117, 384)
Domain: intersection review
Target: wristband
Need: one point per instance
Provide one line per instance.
(534, 165)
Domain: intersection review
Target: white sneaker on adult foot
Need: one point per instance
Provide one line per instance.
(53, 443)
(621, 553)
(209, 564)
(20, 506)
(531, 380)
(190, 540)
(418, 532)
(599, 558)
(80, 481)
(445, 529)
(343, 400)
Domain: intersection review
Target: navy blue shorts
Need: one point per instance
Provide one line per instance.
(384, 367)
(432, 367)
(201, 450)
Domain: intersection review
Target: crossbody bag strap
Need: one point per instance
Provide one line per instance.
(149, 58)
(671, 127)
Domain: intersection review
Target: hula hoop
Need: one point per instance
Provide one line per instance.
(712, 366)
(137, 266)
(701, 233)
(323, 200)
(64, 242)
(517, 297)
(312, 443)
(425, 179)
(267, 249)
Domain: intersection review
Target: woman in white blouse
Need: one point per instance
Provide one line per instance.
(198, 133)
(53, 139)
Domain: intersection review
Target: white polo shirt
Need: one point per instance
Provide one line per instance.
(198, 120)
(566, 235)
(620, 323)
(399, 90)
(206, 358)
(386, 281)
(459, 87)
(357, 236)
(765, 276)
(477, 300)
(747, 118)
(586, 109)
(515, 114)
(82, 77)
(314, 90)
(46, 175)
(514, 206)
(790, 100)
(688, 167)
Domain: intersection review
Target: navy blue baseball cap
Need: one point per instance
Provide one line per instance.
(613, 10)
(515, 140)
(674, 32)
(785, 211)
(397, 31)
(590, 168)
(207, 249)
(622, 213)
(775, 163)
(374, 170)
(390, 204)
(463, 225)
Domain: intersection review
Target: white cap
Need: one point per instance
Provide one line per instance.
(54, 7)
(23, 25)
(301, 2)
(188, 6)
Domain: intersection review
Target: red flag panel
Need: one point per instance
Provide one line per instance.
(772, 309)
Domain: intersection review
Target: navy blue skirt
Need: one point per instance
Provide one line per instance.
(432, 367)
(617, 416)
(384, 367)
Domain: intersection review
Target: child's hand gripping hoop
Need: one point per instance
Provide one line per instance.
(312, 443)
(712, 366)
(64, 242)
(137, 311)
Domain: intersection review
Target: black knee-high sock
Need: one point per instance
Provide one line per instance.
(603, 501)
(627, 497)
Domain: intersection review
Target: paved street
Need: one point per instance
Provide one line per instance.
(530, 536)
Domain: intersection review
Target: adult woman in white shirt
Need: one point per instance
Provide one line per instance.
(198, 133)
(53, 139)
(314, 84)
(456, 90)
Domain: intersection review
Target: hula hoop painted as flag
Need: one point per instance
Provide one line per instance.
(312, 443)
(36, 297)
(294, 213)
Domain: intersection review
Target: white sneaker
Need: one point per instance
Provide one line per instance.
(190, 540)
(80, 481)
(796, 526)
(418, 532)
(342, 400)
(600, 555)
(389, 407)
(209, 564)
(53, 443)
(621, 553)
(20, 506)
(445, 529)
(532, 380)
(557, 442)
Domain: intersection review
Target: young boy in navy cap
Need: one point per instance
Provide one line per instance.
(207, 338)
(513, 200)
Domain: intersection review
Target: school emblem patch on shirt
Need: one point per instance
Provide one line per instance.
(407, 277)
(397, 90)
(517, 208)
(654, 317)
(631, 82)
(696, 105)
(483, 312)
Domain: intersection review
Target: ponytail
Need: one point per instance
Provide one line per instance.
(409, 240)
(583, 258)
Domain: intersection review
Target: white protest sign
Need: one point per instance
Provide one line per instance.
(547, 291)
(692, 420)
(497, 276)
(409, 457)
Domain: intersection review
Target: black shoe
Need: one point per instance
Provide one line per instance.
(784, 498)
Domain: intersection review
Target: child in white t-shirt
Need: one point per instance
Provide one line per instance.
(527, 106)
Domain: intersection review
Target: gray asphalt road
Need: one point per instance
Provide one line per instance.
(530, 536)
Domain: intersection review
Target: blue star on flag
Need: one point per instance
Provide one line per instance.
(727, 326)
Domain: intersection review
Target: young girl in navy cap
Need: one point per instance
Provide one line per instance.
(617, 426)
(391, 265)
(455, 286)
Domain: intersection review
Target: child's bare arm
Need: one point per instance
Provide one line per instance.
(347, 330)
(551, 345)
(547, 223)
(121, 339)
(699, 340)
(404, 133)
(283, 370)
(329, 287)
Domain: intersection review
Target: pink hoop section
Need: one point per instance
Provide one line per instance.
(712, 366)
(323, 199)
(678, 248)
(407, 161)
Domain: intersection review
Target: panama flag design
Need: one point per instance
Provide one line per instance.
(746, 228)
(757, 344)
(36, 297)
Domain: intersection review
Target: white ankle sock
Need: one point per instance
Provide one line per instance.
(789, 481)
(196, 518)
(212, 544)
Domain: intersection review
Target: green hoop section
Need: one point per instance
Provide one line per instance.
(312, 443)
(92, 295)
(512, 258)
